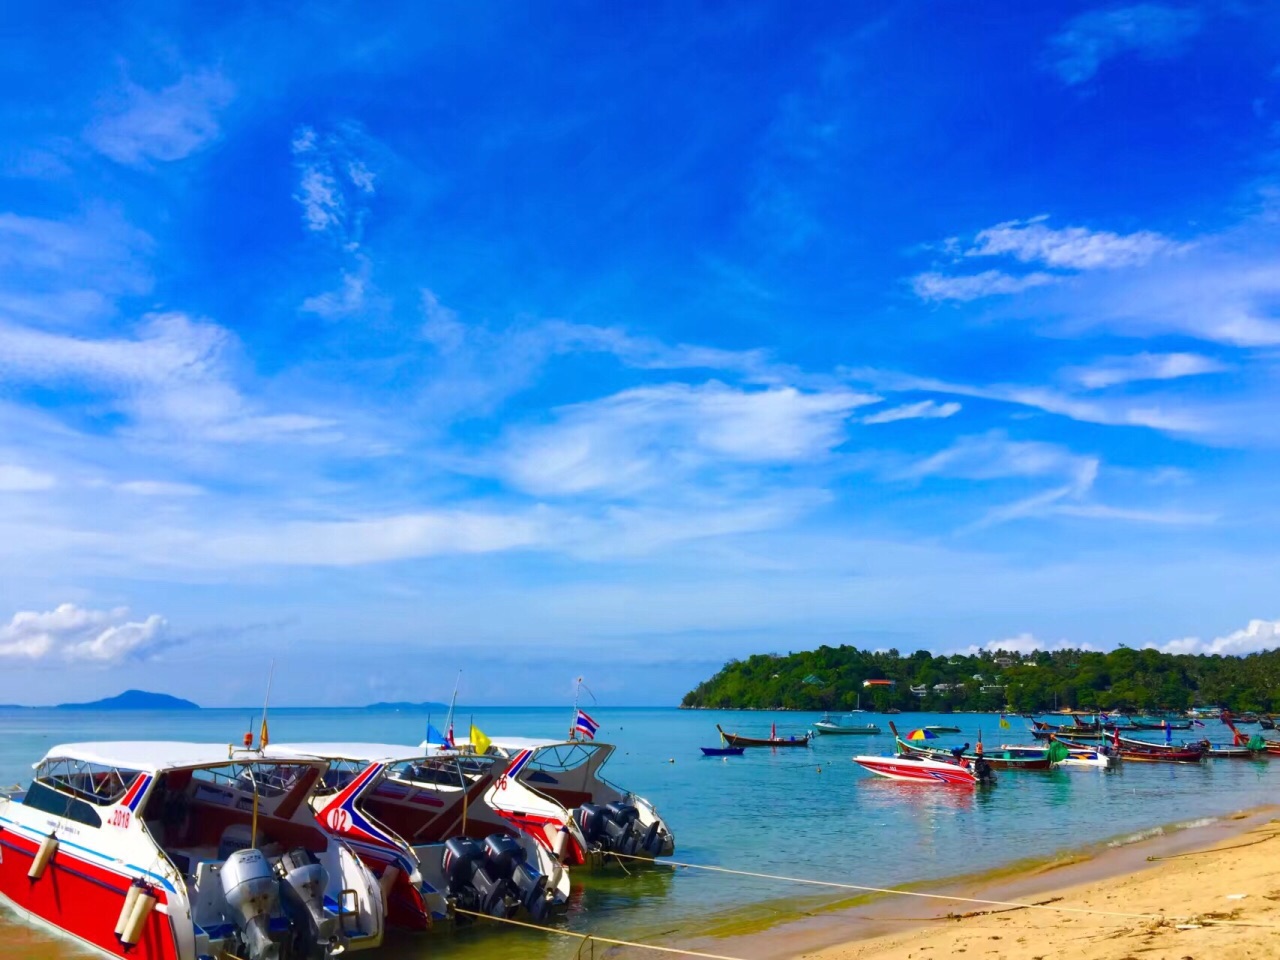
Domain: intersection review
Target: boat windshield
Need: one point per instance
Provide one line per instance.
(564, 757)
(94, 782)
(265, 778)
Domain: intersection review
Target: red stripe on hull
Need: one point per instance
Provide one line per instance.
(79, 897)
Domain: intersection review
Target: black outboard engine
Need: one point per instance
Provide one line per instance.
(303, 880)
(470, 885)
(507, 860)
(615, 828)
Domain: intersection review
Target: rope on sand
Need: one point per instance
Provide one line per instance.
(1117, 914)
(592, 938)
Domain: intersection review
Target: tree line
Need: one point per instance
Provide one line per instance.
(832, 678)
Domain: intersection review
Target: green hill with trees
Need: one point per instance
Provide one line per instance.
(832, 678)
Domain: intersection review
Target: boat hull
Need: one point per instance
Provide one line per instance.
(930, 772)
(734, 740)
(834, 729)
(81, 898)
(723, 751)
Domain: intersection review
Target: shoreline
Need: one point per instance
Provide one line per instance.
(826, 926)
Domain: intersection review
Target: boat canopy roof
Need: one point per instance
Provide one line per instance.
(154, 756)
(513, 744)
(363, 752)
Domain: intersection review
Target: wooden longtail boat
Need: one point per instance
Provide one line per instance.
(1139, 751)
(723, 751)
(1047, 731)
(735, 740)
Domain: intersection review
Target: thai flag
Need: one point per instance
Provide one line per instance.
(585, 725)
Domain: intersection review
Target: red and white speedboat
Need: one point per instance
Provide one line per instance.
(440, 831)
(604, 818)
(148, 850)
(919, 770)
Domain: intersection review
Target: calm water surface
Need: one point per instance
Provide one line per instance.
(801, 812)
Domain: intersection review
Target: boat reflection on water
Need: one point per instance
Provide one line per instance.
(921, 798)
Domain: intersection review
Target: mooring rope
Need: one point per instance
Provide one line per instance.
(949, 896)
(591, 937)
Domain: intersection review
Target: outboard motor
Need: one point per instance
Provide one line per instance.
(507, 861)
(470, 884)
(303, 880)
(252, 893)
(614, 828)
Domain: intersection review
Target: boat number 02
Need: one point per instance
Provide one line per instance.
(339, 820)
(119, 818)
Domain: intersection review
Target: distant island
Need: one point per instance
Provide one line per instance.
(134, 700)
(404, 706)
(843, 678)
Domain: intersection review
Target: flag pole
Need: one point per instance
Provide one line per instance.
(262, 731)
(448, 730)
(573, 724)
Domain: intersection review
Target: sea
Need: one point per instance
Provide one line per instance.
(808, 812)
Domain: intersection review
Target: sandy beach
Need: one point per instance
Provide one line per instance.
(1218, 903)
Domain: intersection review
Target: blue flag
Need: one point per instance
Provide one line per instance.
(435, 736)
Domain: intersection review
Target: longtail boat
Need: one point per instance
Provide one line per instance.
(1140, 751)
(723, 751)
(773, 740)
(1047, 731)
(1076, 757)
(1002, 759)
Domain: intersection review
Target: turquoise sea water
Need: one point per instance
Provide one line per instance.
(801, 812)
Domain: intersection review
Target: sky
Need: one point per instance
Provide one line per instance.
(552, 340)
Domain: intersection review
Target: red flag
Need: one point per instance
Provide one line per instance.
(1115, 737)
(773, 731)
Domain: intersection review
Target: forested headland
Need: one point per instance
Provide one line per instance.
(832, 678)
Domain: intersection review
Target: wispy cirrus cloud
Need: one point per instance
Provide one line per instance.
(15, 478)
(1153, 31)
(1070, 248)
(1114, 371)
(335, 182)
(138, 126)
(923, 410)
(933, 285)
(647, 436)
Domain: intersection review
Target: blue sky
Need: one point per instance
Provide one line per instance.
(617, 341)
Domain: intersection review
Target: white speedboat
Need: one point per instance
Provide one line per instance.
(606, 818)
(1077, 758)
(831, 726)
(440, 831)
(919, 770)
(182, 851)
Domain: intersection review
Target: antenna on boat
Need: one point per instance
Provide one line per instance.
(262, 733)
(573, 723)
(448, 727)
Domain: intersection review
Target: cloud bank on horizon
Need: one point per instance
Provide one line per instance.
(450, 348)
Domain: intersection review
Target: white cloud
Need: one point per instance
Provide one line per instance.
(141, 125)
(1154, 31)
(649, 435)
(1111, 371)
(993, 455)
(1026, 643)
(1172, 415)
(1258, 635)
(355, 542)
(174, 373)
(19, 479)
(1070, 248)
(938, 286)
(159, 488)
(924, 410)
(76, 634)
(334, 182)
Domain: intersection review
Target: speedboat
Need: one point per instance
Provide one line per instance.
(605, 818)
(440, 832)
(1101, 758)
(919, 770)
(183, 851)
(829, 726)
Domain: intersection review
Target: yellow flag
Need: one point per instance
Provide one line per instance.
(479, 742)
(1004, 724)
(262, 737)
